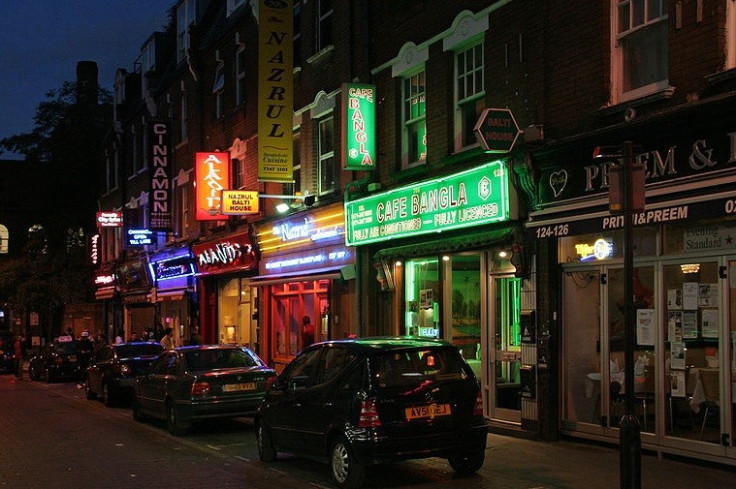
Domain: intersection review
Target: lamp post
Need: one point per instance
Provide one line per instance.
(628, 181)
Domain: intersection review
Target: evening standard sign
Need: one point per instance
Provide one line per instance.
(470, 198)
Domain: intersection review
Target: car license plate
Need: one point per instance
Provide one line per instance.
(431, 411)
(247, 386)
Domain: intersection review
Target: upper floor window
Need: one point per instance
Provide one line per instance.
(293, 188)
(469, 92)
(414, 111)
(297, 39)
(641, 49)
(232, 6)
(326, 152)
(186, 15)
(148, 57)
(218, 89)
(184, 117)
(238, 168)
(324, 24)
(240, 75)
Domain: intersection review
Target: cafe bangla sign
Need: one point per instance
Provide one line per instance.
(469, 198)
(359, 127)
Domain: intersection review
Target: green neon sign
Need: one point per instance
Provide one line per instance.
(359, 127)
(470, 198)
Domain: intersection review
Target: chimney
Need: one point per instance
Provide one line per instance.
(87, 90)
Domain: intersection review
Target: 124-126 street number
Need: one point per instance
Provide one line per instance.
(552, 231)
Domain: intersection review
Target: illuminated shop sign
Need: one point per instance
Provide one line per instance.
(166, 269)
(160, 194)
(470, 198)
(139, 237)
(94, 249)
(239, 202)
(599, 250)
(332, 256)
(105, 280)
(228, 254)
(359, 126)
(321, 227)
(212, 174)
(109, 219)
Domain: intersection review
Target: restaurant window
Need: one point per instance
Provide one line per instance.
(423, 296)
(605, 246)
(293, 188)
(414, 110)
(465, 306)
(469, 94)
(640, 48)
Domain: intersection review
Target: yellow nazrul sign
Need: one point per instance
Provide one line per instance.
(275, 91)
(239, 202)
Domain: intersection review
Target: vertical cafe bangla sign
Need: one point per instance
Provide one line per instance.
(469, 198)
(160, 199)
(359, 126)
(275, 91)
(212, 175)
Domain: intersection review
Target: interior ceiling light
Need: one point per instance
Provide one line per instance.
(690, 267)
(282, 207)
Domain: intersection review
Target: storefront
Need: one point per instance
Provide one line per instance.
(305, 271)
(228, 310)
(107, 292)
(137, 297)
(446, 252)
(684, 284)
(173, 275)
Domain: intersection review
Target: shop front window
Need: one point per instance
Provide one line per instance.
(595, 247)
(422, 298)
(466, 306)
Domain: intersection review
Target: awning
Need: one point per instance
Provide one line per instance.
(105, 293)
(450, 243)
(331, 273)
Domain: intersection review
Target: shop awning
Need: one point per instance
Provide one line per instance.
(329, 273)
(450, 243)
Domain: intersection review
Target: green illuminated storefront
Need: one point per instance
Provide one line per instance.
(439, 256)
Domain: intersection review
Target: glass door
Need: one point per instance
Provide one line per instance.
(507, 350)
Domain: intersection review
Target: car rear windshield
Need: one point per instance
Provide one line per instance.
(139, 350)
(219, 358)
(419, 366)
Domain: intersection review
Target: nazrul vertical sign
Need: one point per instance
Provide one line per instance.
(159, 207)
(275, 91)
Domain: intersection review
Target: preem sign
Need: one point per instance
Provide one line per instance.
(470, 198)
(359, 127)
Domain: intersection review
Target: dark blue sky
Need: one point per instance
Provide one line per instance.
(42, 40)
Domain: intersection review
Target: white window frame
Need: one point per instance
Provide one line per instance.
(623, 29)
(186, 15)
(296, 186)
(408, 122)
(184, 117)
(326, 157)
(240, 64)
(324, 18)
(297, 39)
(469, 91)
(218, 89)
(233, 5)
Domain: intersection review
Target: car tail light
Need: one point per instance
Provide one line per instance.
(59, 361)
(201, 388)
(478, 408)
(123, 369)
(368, 414)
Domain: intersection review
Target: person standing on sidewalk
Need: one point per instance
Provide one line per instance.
(168, 340)
(19, 353)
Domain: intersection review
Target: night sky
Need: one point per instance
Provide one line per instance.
(42, 41)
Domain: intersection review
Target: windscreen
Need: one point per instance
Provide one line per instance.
(404, 368)
(218, 358)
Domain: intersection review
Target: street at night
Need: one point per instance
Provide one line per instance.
(54, 437)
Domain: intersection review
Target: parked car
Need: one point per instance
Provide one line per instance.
(192, 383)
(358, 402)
(57, 360)
(7, 340)
(113, 369)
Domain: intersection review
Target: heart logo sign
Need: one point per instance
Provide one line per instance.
(557, 181)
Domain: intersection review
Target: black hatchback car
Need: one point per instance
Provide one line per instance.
(113, 369)
(359, 402)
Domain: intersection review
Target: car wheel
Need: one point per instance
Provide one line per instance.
(172, 421)
(137, 412)
(88, 391)
(346, 471)
(467, 463)
(266, 450)
(108, 397)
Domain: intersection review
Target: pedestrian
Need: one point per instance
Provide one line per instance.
(168, 340)
(307, 332)
(195, 338)
(19, 353)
